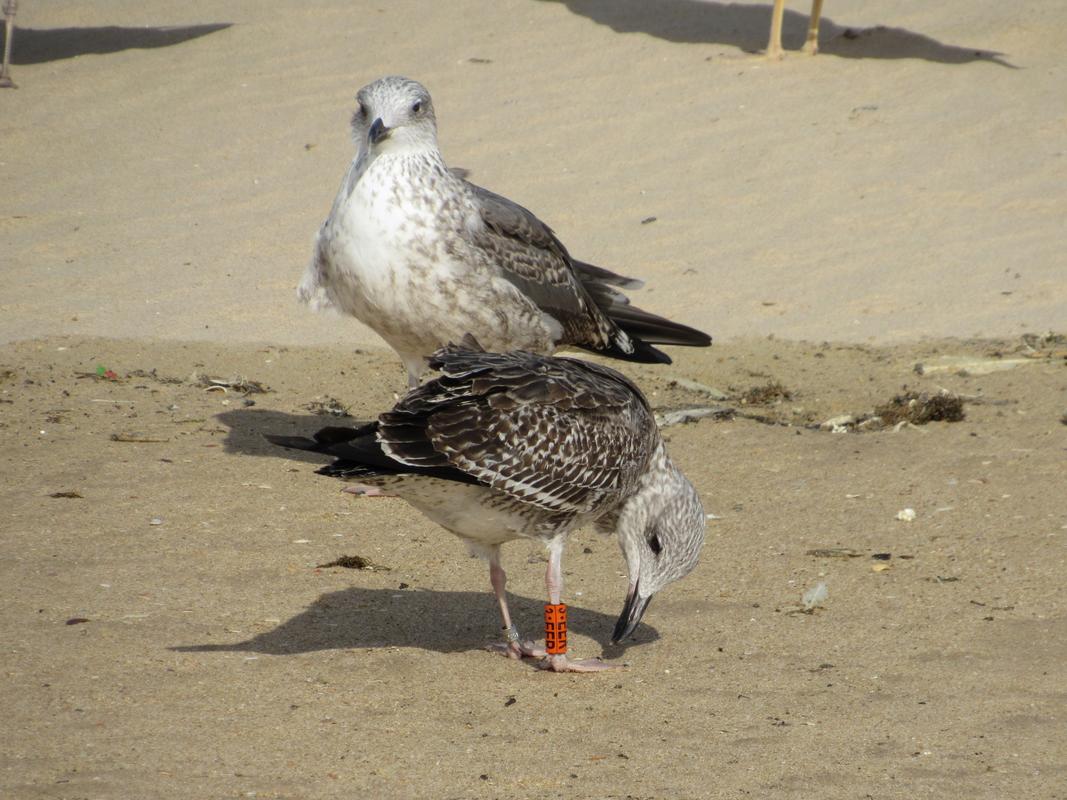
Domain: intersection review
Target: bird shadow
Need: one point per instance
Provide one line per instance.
(746, 27)
(246, 428)
(360, 618)
(363, 618)
(38, 46)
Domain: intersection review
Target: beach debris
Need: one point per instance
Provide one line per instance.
(237, 384)
(328, 406)
(968, 365)
(906, 515)
(918, 409)
(770, 392)
(648, 220)
(355, 562)
(101, 373)
(152, 375)
(881, 567)
(72, 494)
(665, 419)
(77, 620)
(838, 424)
(881, 556)
(833, 552)
(1044, 345)
(908, 410)
(136, 437)
(814, 597)
(695, 386)
(155, 521)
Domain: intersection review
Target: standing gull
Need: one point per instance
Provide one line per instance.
(507, 446)
(424, 257)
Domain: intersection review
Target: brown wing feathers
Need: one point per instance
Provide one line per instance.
(582, 297)
(552, 432)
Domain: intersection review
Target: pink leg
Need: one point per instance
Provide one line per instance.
(554, 584)
(514, 647)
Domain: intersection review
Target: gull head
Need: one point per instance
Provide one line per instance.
(394, 114)
(661, 533)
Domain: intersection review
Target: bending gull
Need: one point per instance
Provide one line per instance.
(424, 257)
(522, 446)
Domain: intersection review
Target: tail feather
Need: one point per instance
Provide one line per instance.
(359, 454)
(643, 327)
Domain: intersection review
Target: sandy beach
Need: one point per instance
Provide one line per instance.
(885, 219)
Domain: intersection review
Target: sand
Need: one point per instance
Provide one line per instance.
(833, 221)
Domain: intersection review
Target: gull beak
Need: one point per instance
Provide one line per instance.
(378, 131)
(631, 614)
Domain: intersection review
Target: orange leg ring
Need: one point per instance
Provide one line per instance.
(555, 628)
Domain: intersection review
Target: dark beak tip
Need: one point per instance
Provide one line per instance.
(378, 131)
(630, 617)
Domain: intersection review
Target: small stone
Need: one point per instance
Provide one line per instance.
(838, 424)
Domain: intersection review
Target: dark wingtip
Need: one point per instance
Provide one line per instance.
(643, 353)
(647, 354)
(641, 324)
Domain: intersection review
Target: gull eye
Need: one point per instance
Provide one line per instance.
(360, 110)
(415, 109)
(655, 544)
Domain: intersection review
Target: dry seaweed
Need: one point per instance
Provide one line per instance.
(918, 409)
(770, 392)
(354, 562)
